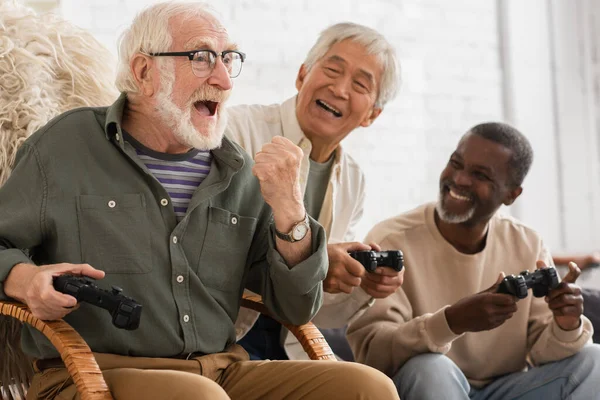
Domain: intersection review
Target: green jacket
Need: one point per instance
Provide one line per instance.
(79, 194)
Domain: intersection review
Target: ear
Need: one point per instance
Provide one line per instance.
(512, 195)
(375, 111)
(142, 69)
(301, 75)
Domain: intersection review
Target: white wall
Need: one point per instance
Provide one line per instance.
(530, 105)
(452, 78)
(574, 38)
(549, 49)
(532, 63)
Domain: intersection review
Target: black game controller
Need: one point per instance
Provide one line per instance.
(373, 259)
(125, 311)
(541, 282)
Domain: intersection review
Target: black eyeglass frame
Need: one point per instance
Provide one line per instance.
(190, 55)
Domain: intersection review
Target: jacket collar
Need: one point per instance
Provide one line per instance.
(291, 126)
(293, 132)
(114, 116)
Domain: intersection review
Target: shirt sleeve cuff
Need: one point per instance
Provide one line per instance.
(568, 336)
(358, 297)
(304, 276)
(438, 329)
(8, 259)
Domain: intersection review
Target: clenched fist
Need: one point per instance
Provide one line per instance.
(277, 167)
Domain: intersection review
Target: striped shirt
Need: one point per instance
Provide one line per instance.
(180, 174)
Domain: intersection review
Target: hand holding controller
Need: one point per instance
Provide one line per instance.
(541, 282)
(125, 311)
(373, 259)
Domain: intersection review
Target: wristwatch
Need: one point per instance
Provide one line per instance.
(298, 232)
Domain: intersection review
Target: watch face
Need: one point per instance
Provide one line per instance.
(299, 231)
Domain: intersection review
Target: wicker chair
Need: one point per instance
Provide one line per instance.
(82, 366)
(62, 67)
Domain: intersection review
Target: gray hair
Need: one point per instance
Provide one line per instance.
(149, 33)
(374, 42)
(509, 137)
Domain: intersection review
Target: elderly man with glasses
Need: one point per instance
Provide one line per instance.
(149, 196)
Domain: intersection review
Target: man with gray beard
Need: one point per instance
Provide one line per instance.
(447, 333)
(147, 195)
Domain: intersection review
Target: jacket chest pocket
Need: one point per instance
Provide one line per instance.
(114, 233)
(224, 253)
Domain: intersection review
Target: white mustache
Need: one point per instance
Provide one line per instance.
(210, 93)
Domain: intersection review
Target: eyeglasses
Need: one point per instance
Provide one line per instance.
(204, 61)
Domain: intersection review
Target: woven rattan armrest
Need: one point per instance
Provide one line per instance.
(308, 335)
(75, 353)
(84, 370)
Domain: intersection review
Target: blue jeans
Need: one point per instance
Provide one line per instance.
(263, 341)
(435, 376)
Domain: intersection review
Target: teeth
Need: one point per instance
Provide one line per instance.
(458, 196)
(330, 108)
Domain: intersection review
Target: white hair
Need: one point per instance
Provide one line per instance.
(149, 33)
(47, 66)
(180, 121)
(374, 42)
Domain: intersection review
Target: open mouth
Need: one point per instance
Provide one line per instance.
(457, 196)
(206, 108)
(328, 107)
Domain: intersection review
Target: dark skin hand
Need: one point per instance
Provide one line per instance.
(566, 301)
(483, 311)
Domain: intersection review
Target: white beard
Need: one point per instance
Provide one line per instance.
(452, 218)
(180, 121)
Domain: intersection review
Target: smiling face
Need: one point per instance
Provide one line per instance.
(475, 182)
(194, 107)
(338, 93)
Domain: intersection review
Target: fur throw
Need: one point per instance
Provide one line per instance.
(47, 66)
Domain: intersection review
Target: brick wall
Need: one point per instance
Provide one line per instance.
(451, 71)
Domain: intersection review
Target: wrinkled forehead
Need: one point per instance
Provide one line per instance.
(353, 54)
(480, 151)
(199, 32)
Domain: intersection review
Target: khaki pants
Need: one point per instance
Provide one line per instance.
(226, 375)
